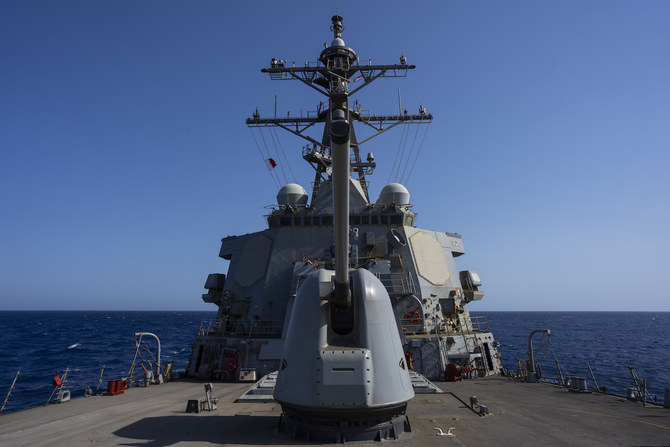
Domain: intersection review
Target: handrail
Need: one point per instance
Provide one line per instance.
(396, 284)
(242, 328)
(481, 323)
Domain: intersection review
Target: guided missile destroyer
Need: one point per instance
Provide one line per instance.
(339, 301)
(339, 243)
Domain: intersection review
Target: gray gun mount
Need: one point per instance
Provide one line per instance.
(344, 375)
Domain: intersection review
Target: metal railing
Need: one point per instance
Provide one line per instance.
(207, 326)
(633, 387)
(412, 325)
(24, 394)
(397, 283)
(606, 379)
(242, 328)
(479, 323)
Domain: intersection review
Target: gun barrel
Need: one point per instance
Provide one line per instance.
(339, 137)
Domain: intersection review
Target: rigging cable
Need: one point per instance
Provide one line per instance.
(260, 152)
(284, 153)
(409, 154)
(402, 137)
(275, 138)
(418, 152)
(267, 150)
(402, 155)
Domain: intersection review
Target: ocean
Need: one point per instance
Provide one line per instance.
(42, 345)
(608, 341)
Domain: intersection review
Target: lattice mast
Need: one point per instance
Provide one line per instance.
(337, 67)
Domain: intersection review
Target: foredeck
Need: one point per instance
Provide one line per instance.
(521, 414)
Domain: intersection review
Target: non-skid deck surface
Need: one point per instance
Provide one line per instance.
(521, 414)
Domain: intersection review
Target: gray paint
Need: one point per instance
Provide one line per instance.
(323, 368)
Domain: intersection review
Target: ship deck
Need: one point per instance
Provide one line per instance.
(521, 414)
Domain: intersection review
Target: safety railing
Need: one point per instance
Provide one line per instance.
(479, 323)
(610, 380)
(209, 325)
(23, 393)
(397, 283)
(412, 324)
(242, 328)
(606, 378)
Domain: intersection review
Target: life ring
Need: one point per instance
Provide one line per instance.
(232, 365)
(413, 316)
(538, 370)
(145, 368)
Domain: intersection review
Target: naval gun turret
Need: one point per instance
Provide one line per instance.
(343, 376)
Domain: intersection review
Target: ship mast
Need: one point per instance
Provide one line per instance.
(338, 66)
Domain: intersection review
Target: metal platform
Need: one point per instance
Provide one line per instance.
(422, 385)
(260, 391)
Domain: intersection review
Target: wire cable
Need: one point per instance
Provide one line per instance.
(397, 154)
(273, 135)
(417, 154)
(285, 158)
(273, 172)
(409, 154)
(260, 152)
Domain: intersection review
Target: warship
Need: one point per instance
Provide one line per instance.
(351, 322)
(429, 297)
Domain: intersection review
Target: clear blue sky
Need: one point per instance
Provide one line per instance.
(125, 157)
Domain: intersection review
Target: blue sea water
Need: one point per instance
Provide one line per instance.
(609, 341)
(43, 344)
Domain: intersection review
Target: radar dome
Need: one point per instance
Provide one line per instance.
(393, 193)
(337, 42)
(292, 194)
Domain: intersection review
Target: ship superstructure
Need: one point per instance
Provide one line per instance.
(417, 267)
